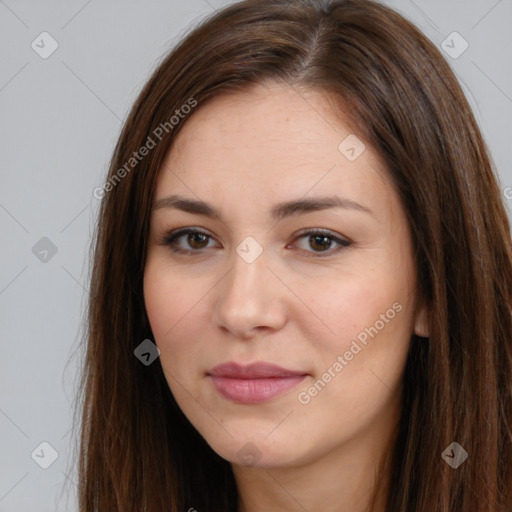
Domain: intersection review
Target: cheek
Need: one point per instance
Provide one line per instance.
(160, 303)
(371, 318)
(176, 311)
(168, 300)
(345, 307)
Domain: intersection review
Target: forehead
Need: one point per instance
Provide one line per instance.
(272, 141)
(278, 121)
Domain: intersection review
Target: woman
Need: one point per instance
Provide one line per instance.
(301, 289)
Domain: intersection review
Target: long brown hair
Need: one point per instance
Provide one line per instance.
(137, 450)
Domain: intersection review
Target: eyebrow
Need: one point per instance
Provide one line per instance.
(278, 212)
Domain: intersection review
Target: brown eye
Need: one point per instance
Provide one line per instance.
(195, 240)
(321, 242)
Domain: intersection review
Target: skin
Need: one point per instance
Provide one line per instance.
(299, 304)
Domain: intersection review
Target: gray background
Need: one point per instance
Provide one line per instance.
(60, 118)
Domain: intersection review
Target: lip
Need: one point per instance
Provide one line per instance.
(253, 383)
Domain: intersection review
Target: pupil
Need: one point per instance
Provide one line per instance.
(323, 238)
(193, 237)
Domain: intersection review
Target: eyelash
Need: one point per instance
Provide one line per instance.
(170, 239)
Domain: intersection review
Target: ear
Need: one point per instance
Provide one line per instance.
(421, 327)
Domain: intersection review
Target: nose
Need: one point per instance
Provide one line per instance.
(250, 299)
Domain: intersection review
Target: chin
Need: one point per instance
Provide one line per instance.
(257, 450)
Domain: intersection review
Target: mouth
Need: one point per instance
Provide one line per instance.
(253, 383)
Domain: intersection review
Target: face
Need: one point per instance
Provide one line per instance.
(283, 331)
